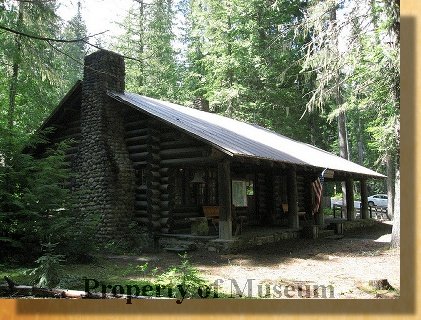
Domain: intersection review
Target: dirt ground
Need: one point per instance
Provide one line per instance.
(294, 268)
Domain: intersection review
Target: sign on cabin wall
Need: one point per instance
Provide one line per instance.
(239, 193)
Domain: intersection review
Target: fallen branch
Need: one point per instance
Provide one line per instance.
(13, 289)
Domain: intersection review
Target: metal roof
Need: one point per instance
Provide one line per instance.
(241, 139)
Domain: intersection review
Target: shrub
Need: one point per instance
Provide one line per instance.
(47, 274)
(184, 274)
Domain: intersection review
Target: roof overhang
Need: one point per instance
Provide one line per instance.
(242, 140)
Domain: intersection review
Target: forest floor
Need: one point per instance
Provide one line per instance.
(296, 268)
(292, 267)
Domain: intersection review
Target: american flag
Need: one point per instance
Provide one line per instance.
(317, 187)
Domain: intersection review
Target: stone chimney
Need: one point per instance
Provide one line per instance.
(105, 177)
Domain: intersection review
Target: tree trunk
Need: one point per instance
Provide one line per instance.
(15, 69)
(140, 79)
(230, 71)
(343, 145)
(342, 133)
(360, 141)
(390, 187)
(395, 16)
(396, 230)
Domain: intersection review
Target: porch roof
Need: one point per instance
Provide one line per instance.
(240, 139)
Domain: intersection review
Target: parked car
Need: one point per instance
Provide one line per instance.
(379, 200)
(338, 202)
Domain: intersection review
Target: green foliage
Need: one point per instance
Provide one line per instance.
(148, 38)
(74, 235)
(35, 73)
(356, 72)
(31, 193)
(184, 274)
(136, 240)
(34, 206)
(47, 273)
(244, 58)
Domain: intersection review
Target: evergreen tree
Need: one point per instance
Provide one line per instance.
(74, 53)
(149, 39)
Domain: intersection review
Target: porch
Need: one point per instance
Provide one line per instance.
(254, 236)
(254, 201)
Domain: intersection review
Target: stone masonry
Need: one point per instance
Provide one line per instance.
(105, 176)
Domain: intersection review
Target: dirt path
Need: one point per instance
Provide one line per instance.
(347, 264)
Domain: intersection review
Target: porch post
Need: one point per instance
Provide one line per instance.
(350, 212)
(364, 201)
(292, 199)
(224, 190)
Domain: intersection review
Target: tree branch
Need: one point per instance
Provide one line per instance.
(50, 39)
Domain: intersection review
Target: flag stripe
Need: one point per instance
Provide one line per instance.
(317, 187)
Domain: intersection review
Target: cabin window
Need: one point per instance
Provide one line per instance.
(195, 187)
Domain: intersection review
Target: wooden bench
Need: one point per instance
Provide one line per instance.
(212, 214)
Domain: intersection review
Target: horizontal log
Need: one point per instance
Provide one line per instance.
(156, 216)
(131, 125)
(139, 156)
(153, 166)
(153, 185)
(141, 213)
(165, 213)
(187, 161)
(183, 152)
(136, 132)
(153, 193)
(165, 230)
(153, 174)
(141, 204)
(164, 187)
(179, 144)
(156, 225)
(140, 140)
(164, 204)
(143, 220)
(182, 215)
(138, 148)
(164, 171)
(165, 196)
(139, 164)
(155, 201)
(141, 196)
(153, 208)
(180, 224)
(185, 208)
(141, 188)
(163, 221)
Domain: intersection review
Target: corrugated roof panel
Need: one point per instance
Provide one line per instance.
(239, 138)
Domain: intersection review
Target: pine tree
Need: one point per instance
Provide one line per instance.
(74, 53)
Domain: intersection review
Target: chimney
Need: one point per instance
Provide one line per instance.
(105, 177)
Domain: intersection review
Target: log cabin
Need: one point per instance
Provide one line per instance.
(162, 165)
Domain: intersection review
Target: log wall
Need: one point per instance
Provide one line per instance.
(157, 151)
